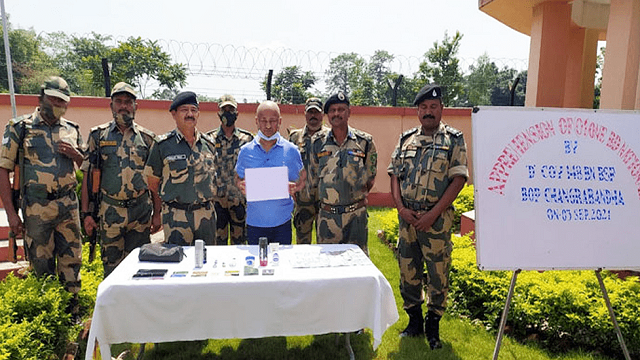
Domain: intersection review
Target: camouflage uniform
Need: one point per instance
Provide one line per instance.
(231, 204)
(125, 207)
(341, 174)
(306, 200)
(50, 203)
(425, 166)
(187, 186)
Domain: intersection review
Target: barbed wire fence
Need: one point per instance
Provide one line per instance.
(215, 69)
(217, 61)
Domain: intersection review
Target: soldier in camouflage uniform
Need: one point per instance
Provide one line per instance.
(306, 200)
(125, 206)
(181, 176)
(52, 150)
(343, 169)
(428, 169)
(231, 204)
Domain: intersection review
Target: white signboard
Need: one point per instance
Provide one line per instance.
(556, 188)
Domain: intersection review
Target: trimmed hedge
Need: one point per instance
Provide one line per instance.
(559, 309)
(33, 321)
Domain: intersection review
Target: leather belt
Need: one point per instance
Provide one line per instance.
(128, 203)
(341, 209)
(417, 205)
(189, 207)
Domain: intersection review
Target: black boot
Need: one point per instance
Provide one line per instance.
(416, 321)
(432, 329)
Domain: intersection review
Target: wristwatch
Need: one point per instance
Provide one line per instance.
(85, 214)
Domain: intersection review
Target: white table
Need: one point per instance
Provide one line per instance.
(340, 291)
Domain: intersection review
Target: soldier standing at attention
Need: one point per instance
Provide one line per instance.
(343, 166)
(181, 176)
(306, 200)
(428, 169)
(52, 150)
(231, 204)
(125, 205)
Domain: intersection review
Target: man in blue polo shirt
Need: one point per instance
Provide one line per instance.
(270, 218)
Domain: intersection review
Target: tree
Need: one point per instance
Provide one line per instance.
(291, 85)
(379, 71)
(505, 80)
(75, 57)
(598, 81)
(442, 67)
(345, 72)
(30, 64)
(481, 81)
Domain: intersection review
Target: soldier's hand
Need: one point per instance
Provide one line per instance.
(408, 215)
(426, 220)
(89, 225)
(242, 185)
(69, 150)
(15, 223)
(156, 223)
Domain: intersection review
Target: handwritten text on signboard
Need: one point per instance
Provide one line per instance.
(577, 129)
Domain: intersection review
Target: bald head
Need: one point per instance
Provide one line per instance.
(267, 105)
(268, 118)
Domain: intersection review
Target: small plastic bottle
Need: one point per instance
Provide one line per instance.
(262, 242)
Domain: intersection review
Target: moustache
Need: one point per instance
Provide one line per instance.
(428, 116)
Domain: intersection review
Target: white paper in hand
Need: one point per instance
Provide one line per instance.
(269, 183)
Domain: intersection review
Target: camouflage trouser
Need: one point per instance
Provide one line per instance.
(182, 227)
(53, 239)
(433, 247)
(231, 218)
(305, 212)
(347, 228)
(122, 230)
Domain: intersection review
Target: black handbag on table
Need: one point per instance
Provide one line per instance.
(161, 252)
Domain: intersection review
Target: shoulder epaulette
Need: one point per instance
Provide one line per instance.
(362, 134)
(99, 127)
(166, 136)
(453, 131)
(208, 139)
(319, 135)
(74, 124)
(19, 119)
(245, 132)
(147, 132)
(409, 132)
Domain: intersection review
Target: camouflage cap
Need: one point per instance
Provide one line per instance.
(123, 87)
(57, 87)
(227, 100)
(313, 103)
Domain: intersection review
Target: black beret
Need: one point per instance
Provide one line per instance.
(338, 98)
(428, 92)
(185, 97)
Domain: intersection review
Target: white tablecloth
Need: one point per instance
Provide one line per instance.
(326, 297)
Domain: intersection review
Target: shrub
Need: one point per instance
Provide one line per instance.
(389, 220)
(33, 322)
(462, 204)
(563, 309)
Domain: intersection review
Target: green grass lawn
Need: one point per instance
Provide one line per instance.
(461, 339)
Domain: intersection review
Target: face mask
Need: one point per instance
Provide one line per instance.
(228, 118)
(52, 112)
(124, 119)
(270, 138)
